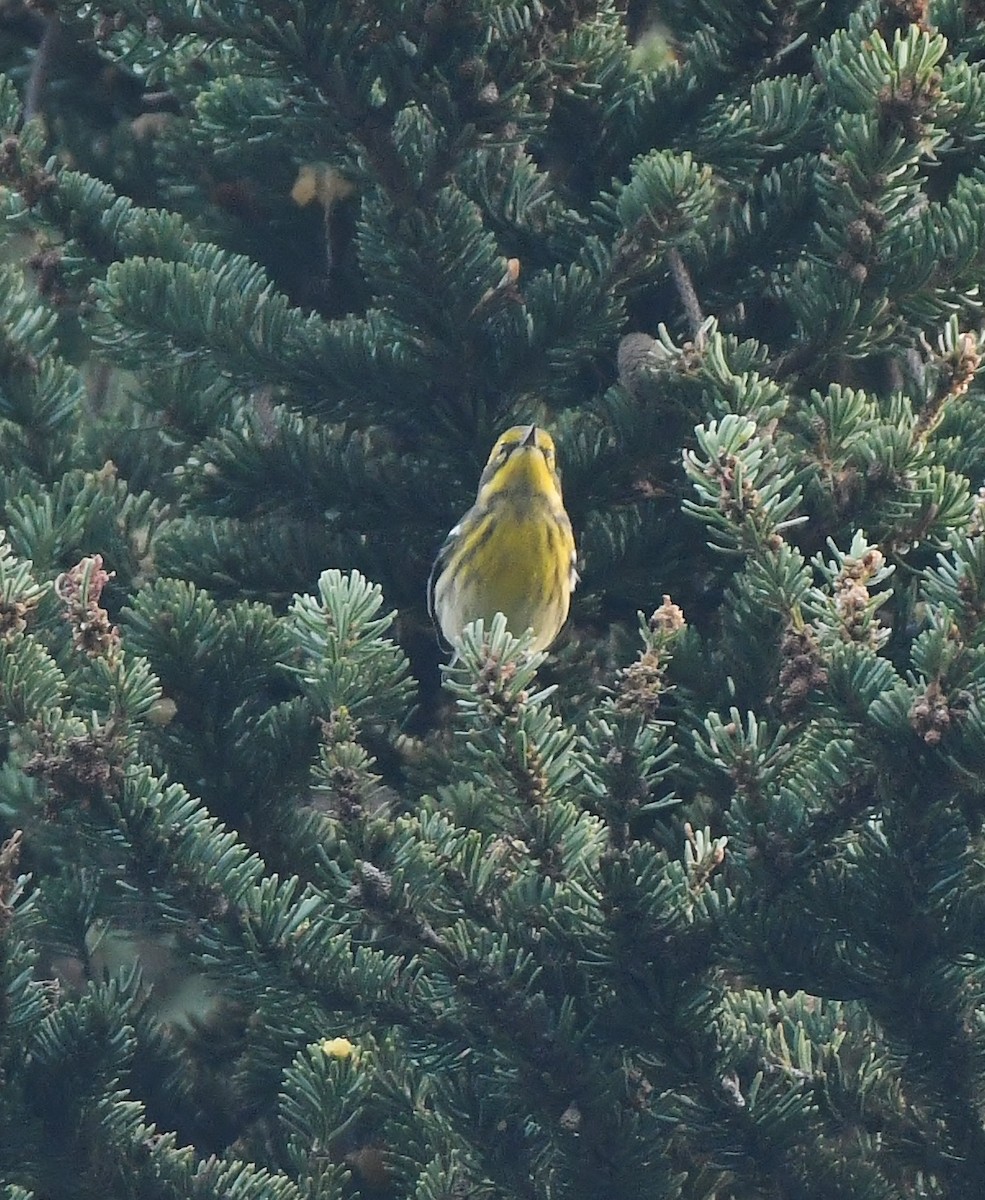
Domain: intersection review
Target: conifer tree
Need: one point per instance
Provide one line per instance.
(292, 907)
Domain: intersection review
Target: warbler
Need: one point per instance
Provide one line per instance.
(513, 552)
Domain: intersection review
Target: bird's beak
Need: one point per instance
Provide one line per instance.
(531, 438)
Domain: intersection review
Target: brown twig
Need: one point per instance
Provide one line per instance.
(44, 57)
(685, 289)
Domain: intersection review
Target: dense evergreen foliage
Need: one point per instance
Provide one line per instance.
(692, 908)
